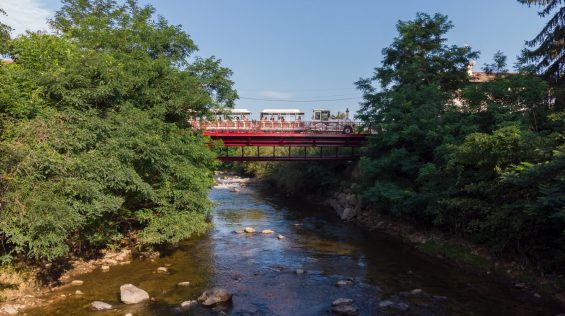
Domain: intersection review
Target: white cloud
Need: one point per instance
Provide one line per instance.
(24, 15)
(275, 94)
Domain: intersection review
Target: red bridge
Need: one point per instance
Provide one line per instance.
(287, 145)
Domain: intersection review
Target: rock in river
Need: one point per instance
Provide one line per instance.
(131, 294)
(162, 270)
(249, 230)
(214, 296)
(267, 231)
(345, 310)
(342, 301)
(77, 282)
(100, 306)
(343, 283)
(187, 304)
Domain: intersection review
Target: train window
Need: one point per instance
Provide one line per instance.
(317, 116)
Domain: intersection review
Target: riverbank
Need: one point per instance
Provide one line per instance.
(25, 287)
(527, 283)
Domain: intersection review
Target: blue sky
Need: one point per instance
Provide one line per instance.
(315, 49)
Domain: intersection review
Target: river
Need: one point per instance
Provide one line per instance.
(387, 277)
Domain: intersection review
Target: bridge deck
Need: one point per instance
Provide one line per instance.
(289, 139)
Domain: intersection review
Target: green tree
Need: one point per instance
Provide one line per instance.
(96, 149)
(419, 78)
(4, 34)
(548, 47)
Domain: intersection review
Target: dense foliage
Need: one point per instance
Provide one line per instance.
(481, 160)
(94, 146)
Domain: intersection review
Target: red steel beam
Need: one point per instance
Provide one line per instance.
(296, 139)
(291, 158)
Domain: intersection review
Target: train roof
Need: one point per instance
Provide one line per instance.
(240, 111)
(282, 111)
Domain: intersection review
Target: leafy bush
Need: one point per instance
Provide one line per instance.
(94, 147)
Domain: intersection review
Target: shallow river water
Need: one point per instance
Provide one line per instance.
(388, 278)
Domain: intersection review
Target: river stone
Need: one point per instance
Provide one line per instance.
(111, 262)
(214, 296)
(299, 271)
(267, 231)
(79, 292)
(249, 230)
(391, 304)
(416, 292)
(188, 304)
(130, 294)
(343, 283)
(279, 237)
(348, 213)
(100, 306)
(345, 310)
(11, 309)
(123, 255)
(185, 283)
(342, 301)
(105, 268)
(77, 282)
(162, 270)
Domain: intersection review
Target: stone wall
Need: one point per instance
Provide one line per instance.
(346, 204)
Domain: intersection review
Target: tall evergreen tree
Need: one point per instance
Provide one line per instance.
(548, 47)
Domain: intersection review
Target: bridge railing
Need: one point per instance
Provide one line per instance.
(267, 126)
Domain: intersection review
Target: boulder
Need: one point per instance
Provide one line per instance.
(249, 230)
(131, 294)
(214, 296)
(349, 310)
(342, 301)
(79, 292)
(267, 231)
(100, 306)
(162, 270)
(279, 237)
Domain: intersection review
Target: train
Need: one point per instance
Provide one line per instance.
(279, 120)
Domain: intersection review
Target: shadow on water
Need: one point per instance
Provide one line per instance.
(387, 277)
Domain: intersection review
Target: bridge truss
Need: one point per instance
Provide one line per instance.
(291, 146)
